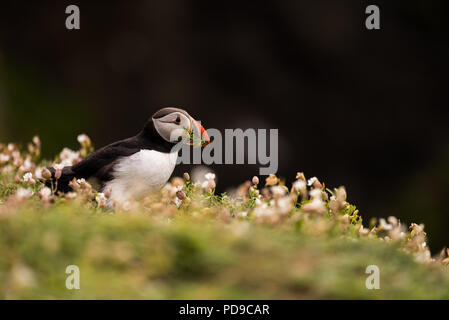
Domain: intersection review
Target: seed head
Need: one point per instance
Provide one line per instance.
(271, 180)
(46, 174)
(300, 176)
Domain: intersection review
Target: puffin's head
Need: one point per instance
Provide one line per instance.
(174, 125)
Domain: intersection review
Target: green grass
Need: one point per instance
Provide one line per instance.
(139, 256)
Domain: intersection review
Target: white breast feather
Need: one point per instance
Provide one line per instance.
(140, 174)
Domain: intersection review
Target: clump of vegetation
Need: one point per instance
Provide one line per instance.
(267, 240)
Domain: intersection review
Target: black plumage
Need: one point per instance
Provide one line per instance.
(100, 164)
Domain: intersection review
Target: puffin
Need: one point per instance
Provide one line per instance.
(135, 167)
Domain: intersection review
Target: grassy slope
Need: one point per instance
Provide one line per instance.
(289, 243)
(143, 255)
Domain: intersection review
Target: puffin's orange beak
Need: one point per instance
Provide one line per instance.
(204, 137)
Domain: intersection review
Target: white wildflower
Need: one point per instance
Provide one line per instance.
(58, 166)
(316, 205)
(71, 195)
(100, 198)
(277, 191)
(26, 166)
(384, 225)
(316, 194)
(340, 194)
(68, 156)
(393, 221)
(45, 192)
(27, 177)
(363, 231)
(209, 185)
(264, 211)
(169, 190)
(23, 193)
(416, 229)
(299, 185)
(4, 158)
(7, 169)
(38, 173)
(84, 184)
(82, 138)
(284, 205)
(209, 176)
(16, 155)
(311, 181)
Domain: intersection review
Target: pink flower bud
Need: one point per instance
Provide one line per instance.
(37, 141)
(211, 184)
(255, 180)
(58, 174)
(107, 192)
(181, 195)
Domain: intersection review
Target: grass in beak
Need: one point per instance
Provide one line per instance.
(192, 140)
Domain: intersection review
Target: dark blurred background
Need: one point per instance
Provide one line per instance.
(364, 109)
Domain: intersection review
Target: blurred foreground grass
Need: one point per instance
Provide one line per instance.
(185, 242)
(138, 256)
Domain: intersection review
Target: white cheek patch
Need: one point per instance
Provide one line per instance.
(170, 131)
(162, 129)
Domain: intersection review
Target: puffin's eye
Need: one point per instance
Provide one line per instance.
(178, 120)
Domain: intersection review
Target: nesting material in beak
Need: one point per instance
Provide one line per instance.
(197, 134)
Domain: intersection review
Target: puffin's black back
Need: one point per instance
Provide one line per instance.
(100, 164)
